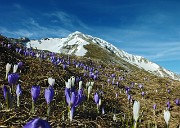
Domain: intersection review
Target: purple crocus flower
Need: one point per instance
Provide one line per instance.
(49, 94)
(143, 94)
(18, 90)
(154, 106)
(5, 91)
(9, 46)
(37, 123)
(168, 90)
(35, 91)
(129, 97)
(108, 80)
(17, 49)
(96, 98)
(20, 51)
(7, 96)
(64, 66)
(71, 100)
(140, 86)
(177, 102)
(95, 77)
(20, 64)
(13, 78)
(168, 105)
(18, 93)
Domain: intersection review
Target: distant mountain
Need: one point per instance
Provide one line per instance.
(80, 44)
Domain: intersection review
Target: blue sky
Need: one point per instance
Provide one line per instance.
(149, 28)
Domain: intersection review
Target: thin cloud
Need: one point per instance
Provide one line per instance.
(68, 20)
(17, 6)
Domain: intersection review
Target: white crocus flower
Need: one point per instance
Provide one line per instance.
(87, 84)
(167, 116)
(8, 67)
(80, 84)
(89, 90)
(114, 117)
(136, 108)
(99, 102)
(72, 80)
(92, 83)
(68, 84)
(37, 55)
(51, 81)
(15, 68)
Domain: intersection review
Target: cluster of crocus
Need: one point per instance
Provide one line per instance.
(35, 91)
(73, 98)
(136, 109)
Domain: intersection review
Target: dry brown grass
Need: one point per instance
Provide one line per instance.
(35, 72)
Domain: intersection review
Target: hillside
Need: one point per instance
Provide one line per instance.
(114, 95)
(77, 44)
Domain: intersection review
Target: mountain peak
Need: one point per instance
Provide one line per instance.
(76, 33)
(76, 43)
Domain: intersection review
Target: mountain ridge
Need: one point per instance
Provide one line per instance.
(74, 44)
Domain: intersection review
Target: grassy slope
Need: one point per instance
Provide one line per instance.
(36, 72)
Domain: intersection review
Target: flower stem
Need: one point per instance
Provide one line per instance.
(33, 107)
(48, 109)
(18, 101)
(97, 108)
(135, 125)
(8, 100)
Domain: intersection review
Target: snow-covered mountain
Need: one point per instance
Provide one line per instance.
(75, 42)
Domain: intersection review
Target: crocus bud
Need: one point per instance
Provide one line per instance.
(80, 84)
(99, 103)
(177, 102)
(143, 94)
(129, 97)
(15, 68)
(37, 123)
(35, 91)
(20, 64)
(167, 117)
(114, 117)
(89, 90)
(72, 80)
(7, 97)
(103, 110)
(49, 94)
(51, 81)
(154, 106)
(136, 109)
(96, 98)
(8, 67)
(68, 83)
(18, 90)
(18, 93)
